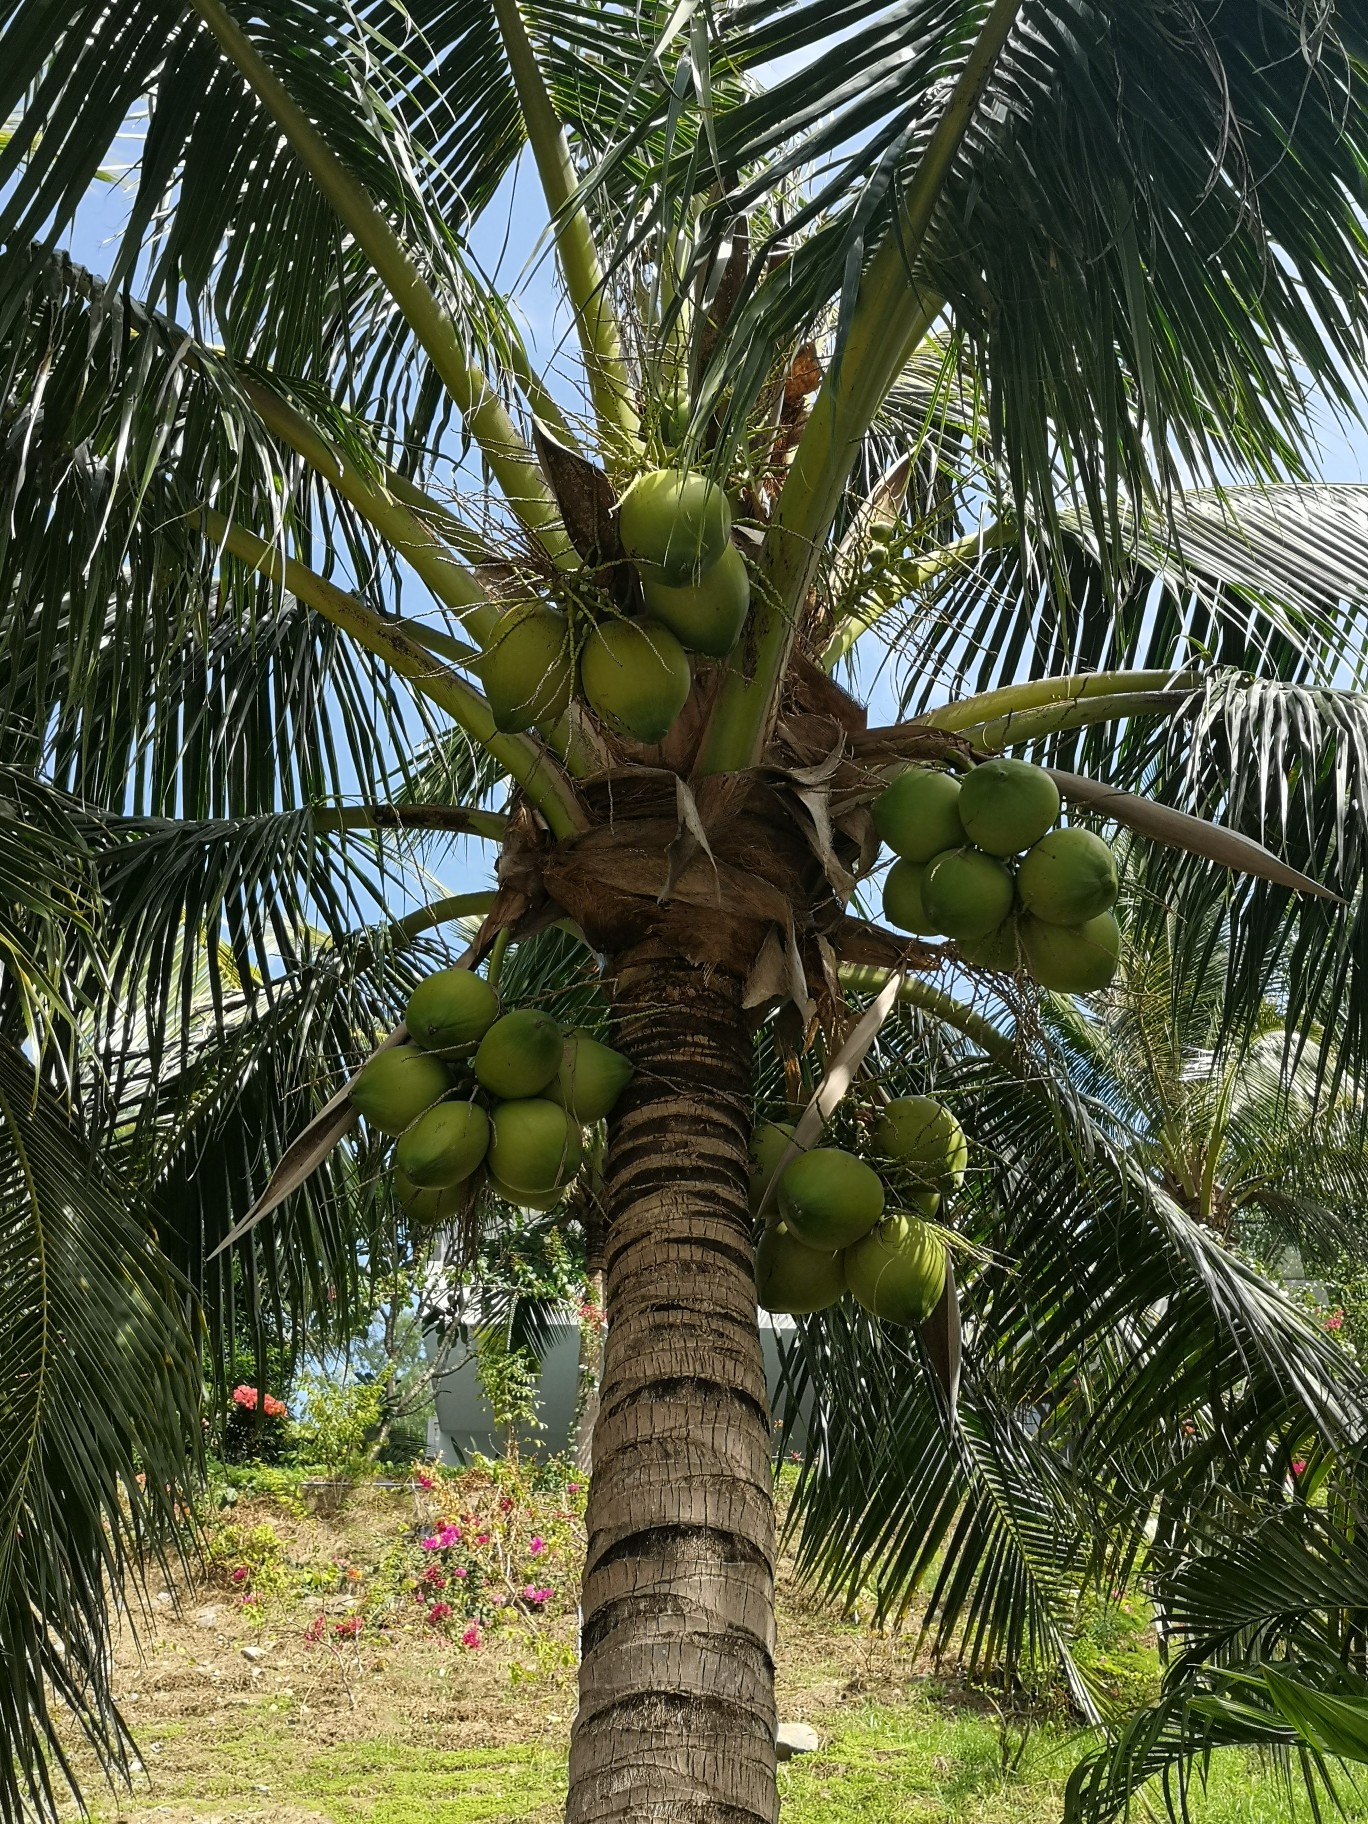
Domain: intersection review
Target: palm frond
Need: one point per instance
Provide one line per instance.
(99, 1434)
(1053, 244)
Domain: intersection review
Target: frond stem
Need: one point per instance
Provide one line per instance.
(511, 461)
(863, 978)
(527, 761)
(609, 384)
(890, 317)
(457, 819)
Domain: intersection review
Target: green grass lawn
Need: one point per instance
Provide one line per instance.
(921, 1759)
(248, 1709)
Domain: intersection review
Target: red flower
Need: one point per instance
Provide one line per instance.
(506, 1505)
(424, 1480)
(239, 1575)
(472, 1637)
(315, 1630)
(439, 1612)
(349, 1627)
(1299, 1468)
(1335, 1321)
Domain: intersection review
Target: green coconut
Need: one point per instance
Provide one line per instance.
(590, 1079)
(527, 669)
(829, 1198)
(897, 1271)
(793, 1278)
(966, 893)
(397, 1086)
(999, 950)
(1069, 876)
(536, 1146)
(453, 1007)
(923, 1135)
(429, 1207)
(1006, 805)
(527, 1200)
(519, 1054)
(902, 898)
(768, 1145)
(674, 524)
(445, 1145)
(706, 616)
(1073, 959)
(918, 814)
(636, 677)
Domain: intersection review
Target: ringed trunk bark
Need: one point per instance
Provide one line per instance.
(676, 1721)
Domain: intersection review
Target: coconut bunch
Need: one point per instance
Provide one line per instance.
(839, 1222)
(632, 669)
(477, 1096)
(981, 859)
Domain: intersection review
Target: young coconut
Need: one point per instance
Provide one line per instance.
(1069, 876)
(444, 1146)
(918, 814)
(897, 1271)
(453, 1007)
(793, 1278)
(536, 1146)
(706, 616)
(922, 1135)
(519, 1054)
(768, 1145)
(397, 1086)
(966, 893)
(636, 678)
(1072, 959)
(1006, 805)
(527, 670)
(829, 1198)
(428, 1207)
(674, 524)
(902, 899)
(1000, 950)
(590, 1079)
(526, 1200)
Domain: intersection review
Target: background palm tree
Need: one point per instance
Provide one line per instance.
(1014, 282)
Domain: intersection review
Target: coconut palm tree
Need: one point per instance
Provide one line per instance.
(1000, 322)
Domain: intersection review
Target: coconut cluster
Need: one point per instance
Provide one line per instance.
(478, 1096)
(632, 671)
(842, 1223)
(981, 859)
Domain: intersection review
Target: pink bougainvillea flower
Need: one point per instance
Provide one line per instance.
(482, 1538)
(349, 1627)
(472, 1637)
(439, 1612)
(1335, 1321)
(314, 1632)
(536, 1545)
(249, 1600)
(572, 1488)
(458, 1570)
(506, 1505)
(536, 1594)
(1299, 1467)
(239, 1574)
(424, 1480)
(435, 1576)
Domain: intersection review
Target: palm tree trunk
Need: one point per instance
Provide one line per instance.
(676, 1720)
